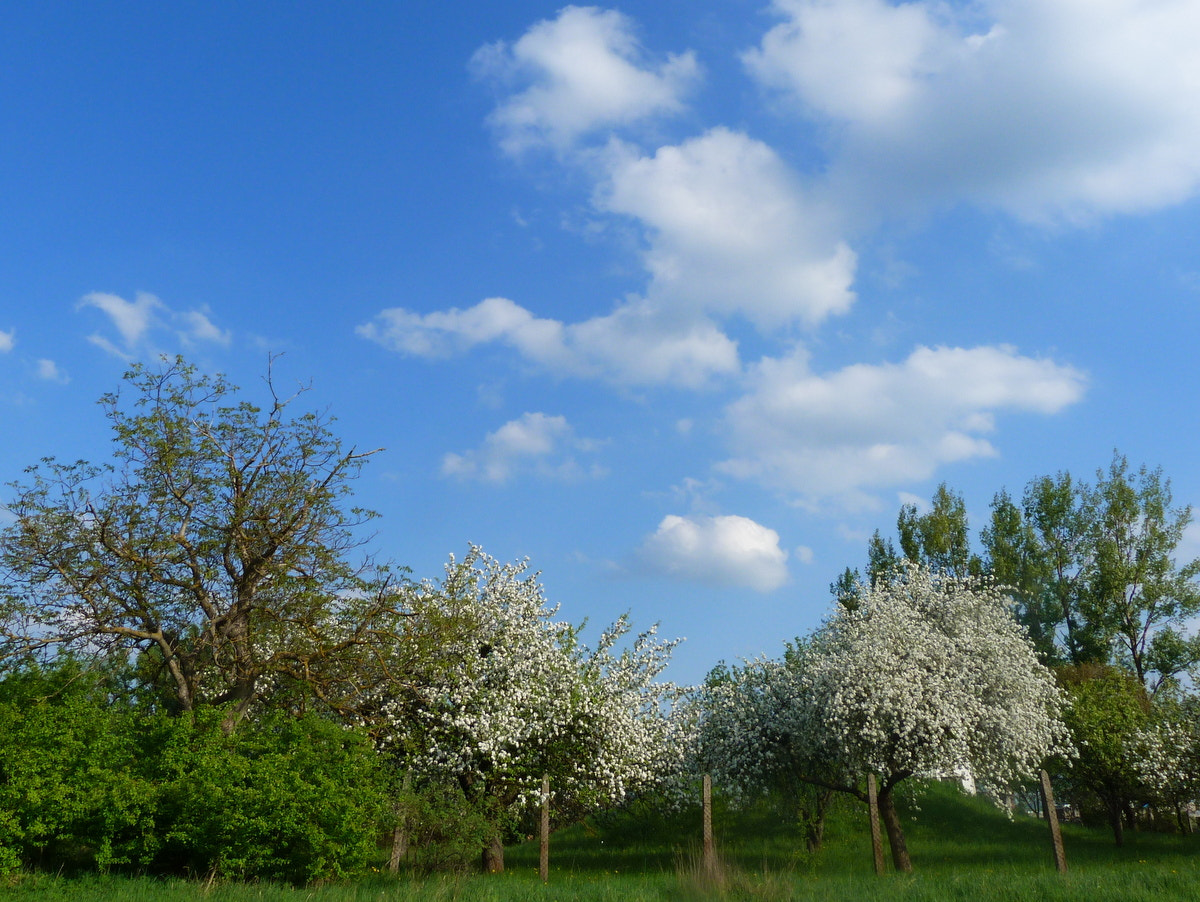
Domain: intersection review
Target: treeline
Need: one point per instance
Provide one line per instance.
(202, 673)
(1092, 572)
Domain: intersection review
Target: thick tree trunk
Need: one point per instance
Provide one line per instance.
(891, 822)
(493, 856)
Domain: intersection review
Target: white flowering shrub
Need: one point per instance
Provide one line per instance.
(1166, 760)
(506, 693)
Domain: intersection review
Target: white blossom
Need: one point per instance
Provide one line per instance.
(506, 693)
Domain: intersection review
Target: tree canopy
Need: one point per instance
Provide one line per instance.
(216, 546)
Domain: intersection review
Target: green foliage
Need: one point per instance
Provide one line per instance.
(1108, 707)
(939, 538)
(216, 546)
(87, 782)
(968, 851)
(294, 799)
(71, 790)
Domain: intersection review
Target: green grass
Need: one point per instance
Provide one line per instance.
(962, 849)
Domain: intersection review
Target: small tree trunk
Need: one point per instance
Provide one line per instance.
(814, 824)
(1056, 843)
(399, 847)
(1115, 821)
(544, 839)
(891, 823)
(400, 831)
(709, 853)
(493, 856)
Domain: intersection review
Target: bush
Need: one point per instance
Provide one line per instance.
(90, 782)
(283, 798)
(71, 794)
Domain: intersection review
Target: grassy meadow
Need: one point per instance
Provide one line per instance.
(962, 849)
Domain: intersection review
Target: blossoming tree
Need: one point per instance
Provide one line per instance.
(507, 693)
(928, 674)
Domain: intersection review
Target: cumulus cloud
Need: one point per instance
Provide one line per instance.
(635, 344)
(7, 340)
(732, 231)
(139, 320)
(534, 442)
(721, 550)
(1056, 110)
(578, 73)
(868, 426)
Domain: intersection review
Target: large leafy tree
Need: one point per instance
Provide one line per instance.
(216, 545)
(1094, 573)
(927, 674)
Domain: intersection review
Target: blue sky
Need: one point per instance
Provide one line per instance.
(679, 300)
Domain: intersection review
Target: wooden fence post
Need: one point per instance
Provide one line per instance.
(876, 837)
(544, 846)
(1060, 855)
(709, 861)
(400, 831)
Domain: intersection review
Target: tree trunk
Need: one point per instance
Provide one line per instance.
(891, 822)
(1115, 821)
(493, 856)
(399, 847)
(814, 821)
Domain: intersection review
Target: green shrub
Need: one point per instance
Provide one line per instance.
(71, 792)
(282, 798)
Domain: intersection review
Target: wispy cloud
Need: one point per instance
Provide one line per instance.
(535, 443)
(636, 344)
(49, 370)
(140, 322)
(8, 340)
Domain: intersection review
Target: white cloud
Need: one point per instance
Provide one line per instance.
(722, 550)
(868, 426)
(137, 321)
(7, 340)
(635, 344)
(132, 319)
(198, 327)
(1051, 109)
(731, 231)
(48, 370)
(580, 72)
(534, 442)
(854, 59)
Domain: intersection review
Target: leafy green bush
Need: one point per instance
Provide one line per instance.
(88, 781)
(71, 791)
(284, 798)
